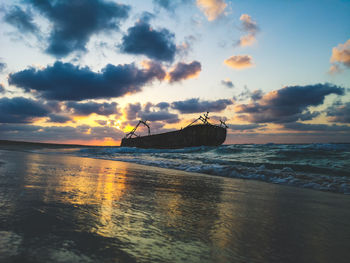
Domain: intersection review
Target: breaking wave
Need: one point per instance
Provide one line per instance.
(318, 166)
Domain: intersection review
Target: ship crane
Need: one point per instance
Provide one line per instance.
(132, 133)
(223, 124)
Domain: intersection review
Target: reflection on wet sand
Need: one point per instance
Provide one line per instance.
(97, 210)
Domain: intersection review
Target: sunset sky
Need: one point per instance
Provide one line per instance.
(85, 71)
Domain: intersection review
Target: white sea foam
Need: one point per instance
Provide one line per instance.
(315, 166)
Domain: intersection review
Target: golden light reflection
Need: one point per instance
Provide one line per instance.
(89, 182)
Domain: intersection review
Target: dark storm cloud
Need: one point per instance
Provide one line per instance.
(88, 108)
(22, 20)
(20, 110)
(197, 106)
(184, 71)
(74, 21)
(339, 113)
(142, 39)
(58, 118)
(316, 127)
(2, 89)
(65, 81)
(288, 104)
(227, 83)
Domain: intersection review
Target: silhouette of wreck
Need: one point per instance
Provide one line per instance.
(203, 134)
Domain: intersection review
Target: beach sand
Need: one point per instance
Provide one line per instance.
(60, 208)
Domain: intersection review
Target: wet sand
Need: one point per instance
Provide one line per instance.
(59, 208)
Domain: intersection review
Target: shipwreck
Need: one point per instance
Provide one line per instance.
(202, 134)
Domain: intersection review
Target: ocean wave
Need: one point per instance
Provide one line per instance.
(280, 164)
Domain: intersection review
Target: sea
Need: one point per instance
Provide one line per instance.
(324, 167)
(290, 203)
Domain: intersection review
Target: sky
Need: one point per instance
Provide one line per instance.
(85, 72)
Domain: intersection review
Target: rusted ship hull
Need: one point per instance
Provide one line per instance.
(195, 135)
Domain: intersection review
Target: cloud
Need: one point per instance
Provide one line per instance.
(248, 24)
(101, 122)
(239, 62)
(23, 21)
(298, 126)
(251, 28)
(131, 111)
(335, 68)
(166, 4)
(247, 94)
(57, 133)
(340, 56)
(21, 110)
(228, 83)
(212, 8)
(65, 81)
(159, 116)
(256, 94)
(2, 89)
(142, 39)
(59, 118)
(169, 5)
(163, 105)
(339, 113)
(2, 66)
(186, 46)
(245, 127)
(184, 71)
(150, 112)
(196, 106)
(307, 115)
(74, 21)
(288, 104)
(88, 108)
(246, 40)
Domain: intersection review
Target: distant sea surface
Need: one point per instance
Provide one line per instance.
(323, 167)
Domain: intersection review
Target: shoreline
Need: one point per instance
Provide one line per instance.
(261, 176)
(63, 145)
(66, 208)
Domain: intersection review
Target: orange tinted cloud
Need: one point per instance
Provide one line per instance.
(249, 26)
(212, 8)
(239, 62)
(340, 56)
(184, 71)
(247, 40)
